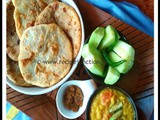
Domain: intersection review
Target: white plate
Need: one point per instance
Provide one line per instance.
(38, 90)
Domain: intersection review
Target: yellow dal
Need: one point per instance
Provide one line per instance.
(100, 105)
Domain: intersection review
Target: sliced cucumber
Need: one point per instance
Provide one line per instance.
(96, 37)
(93, 65)
(124, 50)
(118, 36)
(110, 37)
(122, 68)
(114, 43)
(90, 50)
(112, 76)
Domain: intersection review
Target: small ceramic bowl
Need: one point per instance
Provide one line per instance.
(112, 87)
(87, 87)
(99, 79)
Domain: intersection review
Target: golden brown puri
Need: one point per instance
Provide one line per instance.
(26, 12)
(14, 74)
(12, 37)
(45, 55)
(67, 18)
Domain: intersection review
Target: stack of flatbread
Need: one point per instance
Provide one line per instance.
(43, 39)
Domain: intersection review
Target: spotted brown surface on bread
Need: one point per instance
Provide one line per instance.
(66, 17)
(14, 74)
(45, 55)
(12, 37)
(26, 12)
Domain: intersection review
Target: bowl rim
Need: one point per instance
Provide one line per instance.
(111, 87)
(40, 90)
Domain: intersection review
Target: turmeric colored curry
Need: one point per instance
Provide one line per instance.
(111, 104)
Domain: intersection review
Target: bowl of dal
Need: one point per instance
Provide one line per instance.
(111, 103)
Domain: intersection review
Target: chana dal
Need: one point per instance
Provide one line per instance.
(111, 104)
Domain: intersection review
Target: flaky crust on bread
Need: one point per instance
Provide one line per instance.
(12, 37)
(43, 50)
(67, 18)
(26, 12)
(14, 74)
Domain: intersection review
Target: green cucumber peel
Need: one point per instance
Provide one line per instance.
(118, 36)
(108, 39)
(92, 51)
(96, 36)
(124, 50)
(93, 65)
(105, 70)
(115, 42)
(112, 76)
(110, 62)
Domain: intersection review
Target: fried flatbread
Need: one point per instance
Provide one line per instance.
(26, 12)
(45, 55)
(67, 18)
(12, 37)
(14, 74)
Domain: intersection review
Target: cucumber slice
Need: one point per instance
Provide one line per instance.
(110, 37)
(93, 65)
(112, 76)
(115, 42)
(122, 68)
(124, 50)
(90, 50)
(96, 37)
(118, 36)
